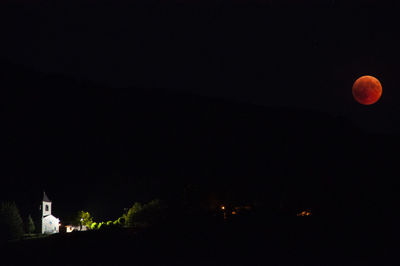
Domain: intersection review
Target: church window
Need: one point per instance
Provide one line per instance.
(47, 208)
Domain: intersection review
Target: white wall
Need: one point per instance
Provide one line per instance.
(50, 225)
(44, 212)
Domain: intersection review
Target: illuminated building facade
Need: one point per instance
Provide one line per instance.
(50, 224)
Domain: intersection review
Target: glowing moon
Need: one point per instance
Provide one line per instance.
(367, 90)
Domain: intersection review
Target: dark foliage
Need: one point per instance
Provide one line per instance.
(146, 214)
(11, 225)
(30, 225)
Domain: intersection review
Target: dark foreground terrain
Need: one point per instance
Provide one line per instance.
(301, 241)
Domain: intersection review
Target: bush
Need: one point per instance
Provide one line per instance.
(93, 226)
(109, 223)
(100, 226)
(121, 221)
(11, 225)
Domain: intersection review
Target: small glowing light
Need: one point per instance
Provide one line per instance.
(233, 212)
(81, 219)
(304, 213)
(222, 207)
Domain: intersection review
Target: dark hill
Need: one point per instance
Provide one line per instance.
(101, 149)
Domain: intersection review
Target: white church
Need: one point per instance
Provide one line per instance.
(50, 224)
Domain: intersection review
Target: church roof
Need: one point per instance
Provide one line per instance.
(45, 198)
(52, 217)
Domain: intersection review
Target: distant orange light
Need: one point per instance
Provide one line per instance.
(304, 213)
(222, 207)
(233, 212)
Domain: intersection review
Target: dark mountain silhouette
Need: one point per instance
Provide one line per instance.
(100, 149)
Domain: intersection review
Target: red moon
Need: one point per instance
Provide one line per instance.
(367, 90)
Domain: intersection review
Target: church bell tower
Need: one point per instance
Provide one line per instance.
(46, 206)
(50, 224)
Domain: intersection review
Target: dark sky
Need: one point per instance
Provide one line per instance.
(272, 54)
(267, 54)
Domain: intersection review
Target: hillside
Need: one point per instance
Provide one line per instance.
(112, 147)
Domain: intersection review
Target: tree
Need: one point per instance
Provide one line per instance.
(132, 212)
(85, 218)
(151, 213)
(146, 214)
(11, 225)
(30, 225)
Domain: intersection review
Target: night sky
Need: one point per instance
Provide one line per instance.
(104, 103)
